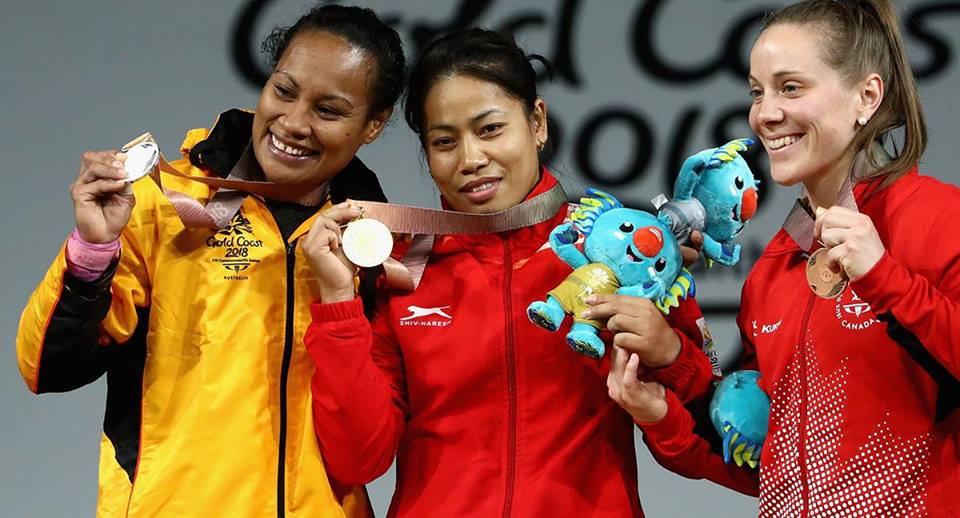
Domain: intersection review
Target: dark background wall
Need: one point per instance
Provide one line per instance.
(637, 87)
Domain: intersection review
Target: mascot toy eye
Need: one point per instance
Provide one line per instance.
(625, 251)
(716, 194)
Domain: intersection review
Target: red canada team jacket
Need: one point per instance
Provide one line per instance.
(486, 413)
(864, 387)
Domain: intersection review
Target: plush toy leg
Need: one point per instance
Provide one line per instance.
(548, 315)
(583, 339)
(727, 254)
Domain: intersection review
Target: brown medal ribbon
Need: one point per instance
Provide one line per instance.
(422, 223)
(800, 225)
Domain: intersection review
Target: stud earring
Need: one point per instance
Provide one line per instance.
(862, 121)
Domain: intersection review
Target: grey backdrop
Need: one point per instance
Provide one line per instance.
(93, 74)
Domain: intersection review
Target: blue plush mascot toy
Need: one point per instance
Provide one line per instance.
(625, 251)
(739, 411)
(716, 194)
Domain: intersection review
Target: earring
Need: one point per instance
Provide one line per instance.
(540, 145)
(862, 121)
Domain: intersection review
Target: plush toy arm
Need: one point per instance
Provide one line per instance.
(690, 174)
(562, 239)
(726, 254)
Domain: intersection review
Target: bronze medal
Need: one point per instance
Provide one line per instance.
(824, 282)
(367, 242)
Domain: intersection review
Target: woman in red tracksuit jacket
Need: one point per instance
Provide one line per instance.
(486, 413)
(863, 385)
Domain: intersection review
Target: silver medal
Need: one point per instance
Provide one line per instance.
(142, 157)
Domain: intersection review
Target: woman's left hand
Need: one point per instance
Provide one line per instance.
(638, 327)
(851, 239)
(646, 401)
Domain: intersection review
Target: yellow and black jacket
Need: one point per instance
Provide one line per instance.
(199, 333)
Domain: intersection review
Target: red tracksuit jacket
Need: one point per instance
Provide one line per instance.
(486, 413)
(863, 387)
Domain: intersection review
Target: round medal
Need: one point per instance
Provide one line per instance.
(824, 282)
(141, 159)
(367, 242)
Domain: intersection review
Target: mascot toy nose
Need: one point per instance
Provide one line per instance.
(649, 240)
(748, 206)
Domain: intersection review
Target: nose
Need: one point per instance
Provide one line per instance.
(748, 204)
(768, 111)
(648, 240)
(472, 156)
(296, 121)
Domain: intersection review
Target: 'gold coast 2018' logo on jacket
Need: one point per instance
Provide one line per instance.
(238, 245)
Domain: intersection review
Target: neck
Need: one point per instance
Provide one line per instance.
(823, 190)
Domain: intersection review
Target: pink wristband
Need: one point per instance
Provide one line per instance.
(87, 261)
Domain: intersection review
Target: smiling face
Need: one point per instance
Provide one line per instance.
(313, 114)
(637, 246)
(481, 144)
(802, 110)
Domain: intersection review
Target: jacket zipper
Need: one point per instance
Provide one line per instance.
(804, 486)
(511, 380)
(284, 373)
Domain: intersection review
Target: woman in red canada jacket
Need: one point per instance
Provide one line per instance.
(863, 385)
(486, 413)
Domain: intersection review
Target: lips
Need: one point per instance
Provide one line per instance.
(785, 141)
(481, 190)
(289, 152)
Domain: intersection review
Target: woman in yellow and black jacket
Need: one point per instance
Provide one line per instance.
(199, 330)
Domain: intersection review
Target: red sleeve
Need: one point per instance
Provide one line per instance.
(926, 305)
(359, 399)
(675, 446)
(691, 374)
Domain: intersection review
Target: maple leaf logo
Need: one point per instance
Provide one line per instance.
(804, 471)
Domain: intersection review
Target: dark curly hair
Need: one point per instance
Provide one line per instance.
(362, 28)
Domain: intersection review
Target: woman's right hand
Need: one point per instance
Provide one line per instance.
(323, 252)
(102, 200)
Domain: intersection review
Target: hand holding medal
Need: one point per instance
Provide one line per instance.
(851, 249)
(325, 248)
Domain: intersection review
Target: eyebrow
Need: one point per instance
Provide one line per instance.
(473, 120)
(776, 75)
(330, 97)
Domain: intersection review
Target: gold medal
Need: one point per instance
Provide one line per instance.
(367, 242)
(143, 154)
(824, 282)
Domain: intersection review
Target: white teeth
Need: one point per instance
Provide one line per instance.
(782, 142)
(482, 187)
(285, 148)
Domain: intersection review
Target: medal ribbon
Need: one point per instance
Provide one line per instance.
(231, 192)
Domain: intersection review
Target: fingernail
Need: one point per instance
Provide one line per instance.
(820, 210)
(116, 163)
(586, 313)
(590, 299)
